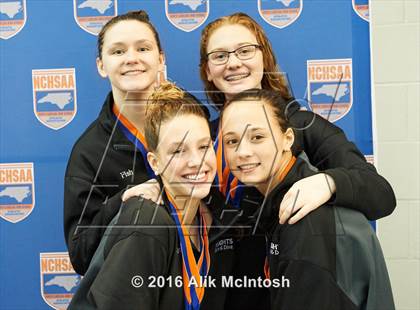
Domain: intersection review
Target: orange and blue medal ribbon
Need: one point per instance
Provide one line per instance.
(266, 263)
(281, 178)
(191, 268)
(228, 185)
(133, 135)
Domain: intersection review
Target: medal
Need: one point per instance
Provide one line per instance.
(135, 136)
(193, 272)
(281, 177)
(228, 185)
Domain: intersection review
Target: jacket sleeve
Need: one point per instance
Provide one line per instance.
(87, 212)
(113, 287)
(358, 184)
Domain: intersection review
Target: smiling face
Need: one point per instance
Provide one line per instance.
(184, 157)
(254, 142)
(236, 75)
(130, 58)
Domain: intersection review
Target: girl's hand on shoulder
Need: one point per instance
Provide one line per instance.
(305, 196)
(148, 190)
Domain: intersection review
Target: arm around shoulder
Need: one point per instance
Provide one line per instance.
(358, 185)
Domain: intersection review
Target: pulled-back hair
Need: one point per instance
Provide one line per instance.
(140, 16)
(273, 99)
(272, 77)
(165, 103)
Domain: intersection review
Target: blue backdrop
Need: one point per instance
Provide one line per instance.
(50, 92)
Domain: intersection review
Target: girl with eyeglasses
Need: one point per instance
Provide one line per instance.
(236, 55)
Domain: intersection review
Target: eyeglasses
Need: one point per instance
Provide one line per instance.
(243, 53)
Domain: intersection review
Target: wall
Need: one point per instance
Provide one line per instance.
(395, 60)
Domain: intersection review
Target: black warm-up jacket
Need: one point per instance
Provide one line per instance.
(331, 258)
(142, 241)
(103, 163)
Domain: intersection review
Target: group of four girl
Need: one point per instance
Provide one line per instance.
(149, 131)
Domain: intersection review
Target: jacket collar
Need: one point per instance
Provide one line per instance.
(106, 116)
(269, 211)
(108, 122)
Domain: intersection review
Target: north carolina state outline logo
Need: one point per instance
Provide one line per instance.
(12, 17)
(59, 281)
(54, 96)
(92, 15)
(17, 191)
(280, 13)
(187, 15)
(330, 87)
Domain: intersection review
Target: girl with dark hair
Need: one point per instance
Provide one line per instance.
(236, 55)
(111, 154)
(329, 260)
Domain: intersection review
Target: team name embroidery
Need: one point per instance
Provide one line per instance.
(126, 174)
(223, 245)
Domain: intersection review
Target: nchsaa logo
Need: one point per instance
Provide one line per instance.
(17, 191)
(54, 96)
(59, 281)
(92, 15)
(361, 7)
(280, 13)
(330, 87)
(187, 15)
(12, 18)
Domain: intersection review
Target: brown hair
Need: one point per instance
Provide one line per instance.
(140, 16)
(271, 79)
(273, 99)
(165, 103)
